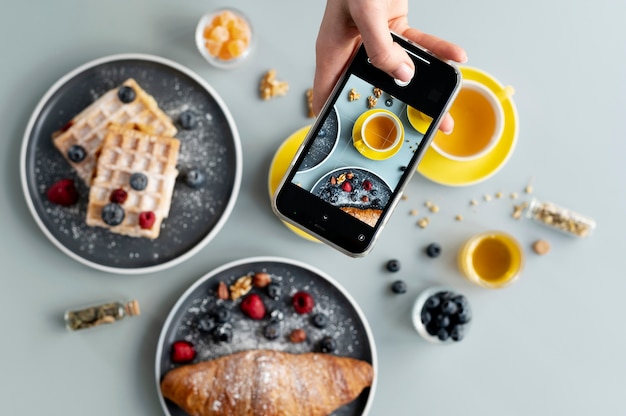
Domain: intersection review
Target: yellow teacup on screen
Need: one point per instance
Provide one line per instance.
(478, 123)
(378, 134)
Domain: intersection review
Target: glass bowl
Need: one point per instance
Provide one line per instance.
(224, 37)
(441, 315)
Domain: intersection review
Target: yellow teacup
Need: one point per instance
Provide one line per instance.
(378, 134)
(492, 259)
(478, 123)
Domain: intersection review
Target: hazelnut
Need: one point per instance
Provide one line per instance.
(297, 336)
(261, 279)
(222, 291)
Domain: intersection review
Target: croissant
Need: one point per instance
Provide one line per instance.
(268, 383)
(369, 216)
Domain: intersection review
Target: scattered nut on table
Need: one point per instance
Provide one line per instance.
(270, 87)
(541, 247)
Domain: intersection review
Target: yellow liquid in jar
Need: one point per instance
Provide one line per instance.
(491, 259)
(474, 125)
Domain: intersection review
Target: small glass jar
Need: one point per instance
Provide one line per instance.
(100, 314)
(560, 218)
(224, 37)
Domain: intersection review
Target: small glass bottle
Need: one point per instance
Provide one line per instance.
(560, 218)
(101, 314)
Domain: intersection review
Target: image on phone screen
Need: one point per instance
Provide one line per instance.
(361, 150)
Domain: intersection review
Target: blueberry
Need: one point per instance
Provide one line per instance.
(398, 287)
(449, 307)
(112, 214)
(457, 333)
(76, 153)
(223, 333)
(393, 265)
(126, 94)
(277, 315)
(319, 320)
(443, 334)
(328, 344)
(321, 133)
(195, 178)
(402, 168)
(207, 325)
(432, 302)
(138, 181)
(442, 320)
(188, 120)
(432, 328)
(461, 301)
(426, 317)
(433, 250)
(274, 291)
(463, 316)
(388, 102)
(221, 314)
(272, 330)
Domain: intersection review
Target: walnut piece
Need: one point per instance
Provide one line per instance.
(271, 87)
(353, 95)
(371, 101)
(378, 92)
(309, 103)
(240, 287)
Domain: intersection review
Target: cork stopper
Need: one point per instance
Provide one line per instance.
(132, 308)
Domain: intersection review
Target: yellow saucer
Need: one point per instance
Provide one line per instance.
(280, 163)
(364, 150)
(420, 121)
(453, 173)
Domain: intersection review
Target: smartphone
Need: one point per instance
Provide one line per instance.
(349, 173)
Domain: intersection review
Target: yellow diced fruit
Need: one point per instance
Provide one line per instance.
(213, 47)
(236, 48)
(240, 31)
(223, 18)
(219, 34)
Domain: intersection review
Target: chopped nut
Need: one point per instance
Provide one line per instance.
(222, 291)
(261, 279)
(487, 197)
(518, 210)
(297, 336)
(309, 103)
(473, 202)
(371, 101)
(423, 222)
(333, 180)
(528, 189)
(459, 217)
(404, 197)
(240, 287)
(349, 175)
(365, 198)
(428, 204)
(378, 92)
(514, 195)
(541, 247)
(413, 212)
(499, 195)
(353, 95)
(270, 87)
(434, 208)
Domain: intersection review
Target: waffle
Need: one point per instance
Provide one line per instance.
(124, 152)
(88, 128)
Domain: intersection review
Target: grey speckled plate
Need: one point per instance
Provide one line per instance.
(347, 324)
(195, 215)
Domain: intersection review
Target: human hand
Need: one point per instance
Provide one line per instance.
(348, 22)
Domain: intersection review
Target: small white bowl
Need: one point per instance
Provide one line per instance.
(416, 316)
(205, 20)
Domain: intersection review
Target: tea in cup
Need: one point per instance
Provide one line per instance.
(381, 131)
(492, 259)
(478, 122)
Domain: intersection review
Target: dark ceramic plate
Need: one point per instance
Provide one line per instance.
(375, 195)
(324, 143)
(196, 215)
(346, 321)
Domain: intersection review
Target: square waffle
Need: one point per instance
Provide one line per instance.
(126, 152)
(88, 128)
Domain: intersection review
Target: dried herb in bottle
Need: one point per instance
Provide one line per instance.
(96, 315)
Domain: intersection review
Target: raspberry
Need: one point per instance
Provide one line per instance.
(182, 352)
(346, 186)
(63, 193)
(253, 307)
(367, 185)
(118, 196)
(146, 219)
(303, 302)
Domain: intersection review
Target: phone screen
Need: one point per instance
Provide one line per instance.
(362, 150)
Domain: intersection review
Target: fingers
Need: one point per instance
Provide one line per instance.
(438, 46)
(372, 20)
(447, 124)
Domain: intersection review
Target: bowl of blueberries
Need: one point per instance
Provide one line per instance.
(441, 315)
